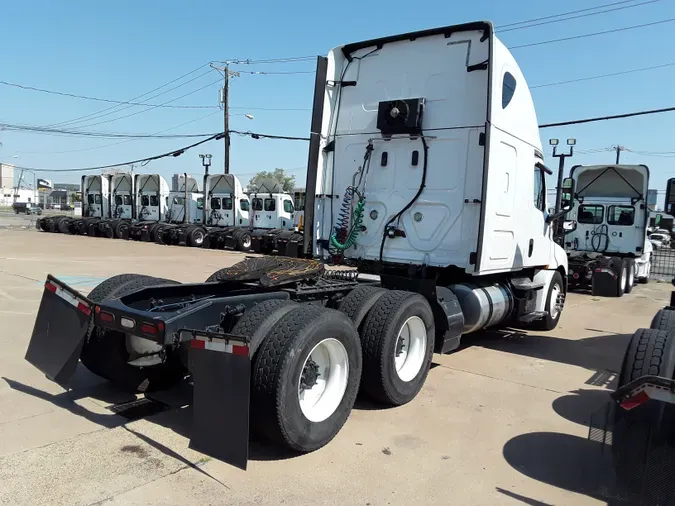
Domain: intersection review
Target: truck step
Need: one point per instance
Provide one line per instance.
(533, 316)
(526, 284)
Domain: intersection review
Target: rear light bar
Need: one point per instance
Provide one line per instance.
(68, 297)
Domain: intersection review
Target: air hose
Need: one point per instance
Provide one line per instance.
(344, 236)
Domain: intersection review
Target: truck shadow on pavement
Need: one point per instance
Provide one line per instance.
(598, 353)
(577, 463)
(170, 409)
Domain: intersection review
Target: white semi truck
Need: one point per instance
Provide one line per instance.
(432, 138)
(226, 213)
(182, 223)
(152, 204)
(95, 191)
(606, 236)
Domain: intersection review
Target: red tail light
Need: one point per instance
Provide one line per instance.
(106, 317)
(148, 328)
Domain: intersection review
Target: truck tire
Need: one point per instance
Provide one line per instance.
(618, 265)
(101, 291)
(195, 236)
(397, 342)
(63, 225)
(216, 276)
(152, 237)
(159, 234)
(105, 353)
(295, 401)
(555, 302)
(645, 279)
(637, 433)
(630, 275)
(122, 230)
(243, 240)
(258, 321)
(359, 301)
(664, 320)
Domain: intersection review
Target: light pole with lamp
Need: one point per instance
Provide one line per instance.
(206, 162)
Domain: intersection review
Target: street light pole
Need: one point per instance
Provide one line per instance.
(206, 162)
(226, 118)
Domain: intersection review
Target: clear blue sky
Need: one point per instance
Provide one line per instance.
(118, 50)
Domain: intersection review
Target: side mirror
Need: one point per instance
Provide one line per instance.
(567, 197)
(569, 226)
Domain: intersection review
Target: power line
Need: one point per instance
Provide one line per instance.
(149, 108)
(594, 34)
(153, 135)
(603, 118)
(551, 16)
(103, 135)
(560, 17)
(98, 99)
(174, 153)
(589, 78)
(252, 72)
(75, 120)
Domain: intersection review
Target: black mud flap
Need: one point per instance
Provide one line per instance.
(60, 328)
(221, 372)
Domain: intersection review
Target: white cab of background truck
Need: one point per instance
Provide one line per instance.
(195, 199)
(152, 195)
(272, 210)
(122, 196)
(610, 212)
(95, 196)
(227, 204)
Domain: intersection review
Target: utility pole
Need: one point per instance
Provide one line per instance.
(226, 117)
(619, 149)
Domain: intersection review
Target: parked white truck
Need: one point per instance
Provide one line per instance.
(183, 223)
(152, 204)
(433, 139)
(273, 221)
(95, 191)
(226, 213)
(606, 236)
(122, 201)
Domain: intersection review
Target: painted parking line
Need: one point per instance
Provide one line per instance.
(78, 280)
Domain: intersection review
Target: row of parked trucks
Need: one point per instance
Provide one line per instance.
(431, 141)
(221, 215)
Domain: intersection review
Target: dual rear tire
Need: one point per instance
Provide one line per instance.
(309, 362)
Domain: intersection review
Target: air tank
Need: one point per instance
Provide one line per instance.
(483, 305)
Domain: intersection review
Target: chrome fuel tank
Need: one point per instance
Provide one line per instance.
(483, 305)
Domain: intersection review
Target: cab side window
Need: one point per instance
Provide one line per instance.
(539, 190)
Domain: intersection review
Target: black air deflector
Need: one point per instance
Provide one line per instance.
(400, 116)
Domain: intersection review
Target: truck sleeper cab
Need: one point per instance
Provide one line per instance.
(291, 342)
(273, 222)
(152, 204)
(607, 238)
(227, 213)
(122, 208)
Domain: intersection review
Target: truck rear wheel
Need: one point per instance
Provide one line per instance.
(195, 236)
(637, 433)
(359, 301)
(397, 342)
(122, 230)
(305, 378)
(243, 240)
(664, 320)
(618, 265)
(159, 234)
(105, 353)
(630, 275)
(258, 321)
